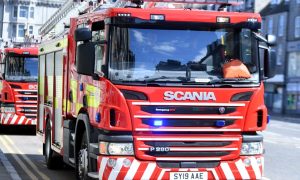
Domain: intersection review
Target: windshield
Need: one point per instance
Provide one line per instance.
(194, 56)
(21, 68)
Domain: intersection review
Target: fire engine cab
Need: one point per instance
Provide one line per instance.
(135, 90)
(18, 86)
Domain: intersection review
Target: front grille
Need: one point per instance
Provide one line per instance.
(188, 122)
(185, 134)
(187, 144)
(188, 154)
(26, 102)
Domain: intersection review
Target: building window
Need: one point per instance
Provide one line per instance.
(14, 30)
(15, 11)
(31, 13)
(23, 12)
(279, 59)
(270, 26)
(281, 25)
(294, 64)
(21, 30)
(249, 4)
(297, 27)
(30, 30)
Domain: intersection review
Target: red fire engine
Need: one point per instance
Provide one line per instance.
(18, 86)
(135, 91)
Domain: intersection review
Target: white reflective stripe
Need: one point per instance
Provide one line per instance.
(188, 104)
(227, 171)
(187, 139)
(116, 170)
(262, 165)
(7, 118)
(183, 169)
(186, 117)
(21, 120)
(194, 169)
(102, 167)
(162, 173)
(148, 172)
(33, 122)
(27, 121)
(214, 173)
(188, 129)
(186, 159)
(132, 170)
(14, 119)
(255, 167)
(242, 169)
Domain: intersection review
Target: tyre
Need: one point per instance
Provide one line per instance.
(52, 161)
(82, 162)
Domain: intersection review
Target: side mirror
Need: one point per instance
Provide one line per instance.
(271, 40)
(83, 34)
(270, 63)
(85, 58)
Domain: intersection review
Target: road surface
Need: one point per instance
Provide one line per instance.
(24, 152)
(282, 145)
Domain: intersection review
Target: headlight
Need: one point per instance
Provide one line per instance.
(8, 109)
(251, 148)
(107, 148)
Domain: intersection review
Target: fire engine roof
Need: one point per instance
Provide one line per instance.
(22, 51)
(182, 15)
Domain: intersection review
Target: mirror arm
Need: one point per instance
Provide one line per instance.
(260, 37)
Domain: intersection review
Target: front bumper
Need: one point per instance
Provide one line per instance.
(119, 168)
(14, 119)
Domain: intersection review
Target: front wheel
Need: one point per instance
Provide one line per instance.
(52, 161)
(82, 164)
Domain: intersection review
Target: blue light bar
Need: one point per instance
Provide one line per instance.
(157, 122)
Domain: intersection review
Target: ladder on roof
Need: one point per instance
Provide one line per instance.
(72, 8)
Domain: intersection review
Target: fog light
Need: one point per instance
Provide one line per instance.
(112, 163)
(247, 162)
(127, 163)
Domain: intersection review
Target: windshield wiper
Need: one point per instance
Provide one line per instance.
(231, 81)
(182, 79)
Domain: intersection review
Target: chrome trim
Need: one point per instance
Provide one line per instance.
(187, 129)
(186, 139)
(186, 104)
(186, 159)
(194, 149)
(187, 117)
(26, 102)
(25, 90)
(21, 106)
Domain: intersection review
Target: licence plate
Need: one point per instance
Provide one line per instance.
(188, 175)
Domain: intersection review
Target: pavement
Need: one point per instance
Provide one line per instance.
(286, 118)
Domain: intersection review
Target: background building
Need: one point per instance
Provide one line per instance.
(282, 18)
(21, 19)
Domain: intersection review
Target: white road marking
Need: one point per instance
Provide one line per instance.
(34, 167)
(19, 161)
(9, 167)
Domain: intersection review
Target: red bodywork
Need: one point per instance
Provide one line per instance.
(250, 115)
(21, 96)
